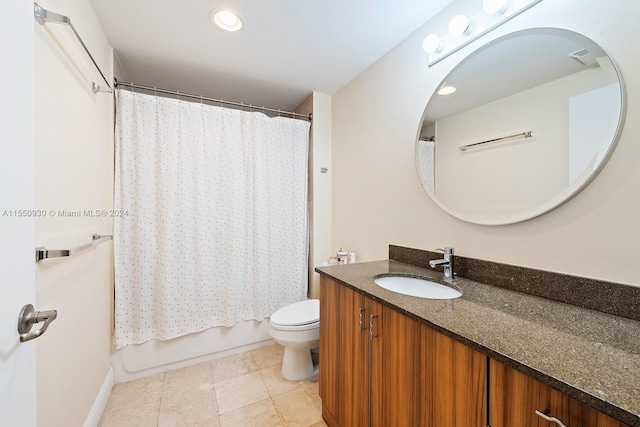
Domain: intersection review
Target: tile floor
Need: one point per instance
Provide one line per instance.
(243, 390)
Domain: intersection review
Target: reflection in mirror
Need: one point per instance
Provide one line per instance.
(534, 116)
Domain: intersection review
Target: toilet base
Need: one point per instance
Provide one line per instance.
(297, 364)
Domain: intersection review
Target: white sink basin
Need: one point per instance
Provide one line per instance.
(417, 287)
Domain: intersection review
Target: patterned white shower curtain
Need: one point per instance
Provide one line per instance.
(426, 165)
(212, 216)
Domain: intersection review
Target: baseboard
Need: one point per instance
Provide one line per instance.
(100, 402)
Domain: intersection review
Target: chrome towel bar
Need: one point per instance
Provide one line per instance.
(44, 253)
(44, 16)
(516, 136)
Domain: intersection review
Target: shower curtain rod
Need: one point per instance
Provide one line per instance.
(117, 83)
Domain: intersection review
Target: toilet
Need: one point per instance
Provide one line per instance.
(297, 328)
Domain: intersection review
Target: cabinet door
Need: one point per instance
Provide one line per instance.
(329, 382)
(395, 369)
(514, 398)
(354, 358)
(344, 355)
(453, 382)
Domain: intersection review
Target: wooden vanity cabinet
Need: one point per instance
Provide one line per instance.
(391, 370)
(514, 398)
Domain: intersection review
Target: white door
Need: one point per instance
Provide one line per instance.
(17, 228)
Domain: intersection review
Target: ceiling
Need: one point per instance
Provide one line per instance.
(288, 48)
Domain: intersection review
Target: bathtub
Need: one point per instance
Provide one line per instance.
(152, 357)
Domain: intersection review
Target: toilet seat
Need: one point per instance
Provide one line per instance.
(314, 325)
(297, 316)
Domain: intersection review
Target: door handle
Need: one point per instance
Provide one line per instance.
(29, 317)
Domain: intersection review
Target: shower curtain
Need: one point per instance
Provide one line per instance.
(210, 220)
(426, 162)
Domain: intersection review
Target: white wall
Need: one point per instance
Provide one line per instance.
(321, 128)
(74, 171)
(377, 197)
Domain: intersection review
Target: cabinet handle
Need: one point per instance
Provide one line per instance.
(361, 323)
(548, 418)
(371, 317)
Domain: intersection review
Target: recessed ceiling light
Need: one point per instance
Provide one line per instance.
(447, 90)
(227, 19)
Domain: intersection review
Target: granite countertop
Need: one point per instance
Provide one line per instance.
(590, 356)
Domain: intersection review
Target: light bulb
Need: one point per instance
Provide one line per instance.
(495, 6)
(432, 44)
(227, 20)
(460, 25)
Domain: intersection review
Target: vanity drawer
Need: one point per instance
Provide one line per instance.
(518, 400)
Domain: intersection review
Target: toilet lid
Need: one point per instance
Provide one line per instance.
(298, 314)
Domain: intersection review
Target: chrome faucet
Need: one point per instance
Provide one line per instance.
(446, 262)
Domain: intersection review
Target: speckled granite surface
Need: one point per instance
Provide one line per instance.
(591, 356)
(607, 297)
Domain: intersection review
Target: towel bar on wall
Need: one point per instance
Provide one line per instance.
(44, 253)
(69, 40)
(514, 137)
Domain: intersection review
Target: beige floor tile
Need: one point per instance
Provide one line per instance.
(313, 380)
(299, 407)
(135, 393)
(196, 377)
(275, 383)
(239, 397)
(210, 423)
(233, 366)
(240, 391)
(260, 414)
(268, 356)
(197, 407)
(144, 415)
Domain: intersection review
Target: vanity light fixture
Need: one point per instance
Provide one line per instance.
(495, 6)
(227, 19)
(463, 30)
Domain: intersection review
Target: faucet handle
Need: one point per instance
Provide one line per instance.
(447, 250)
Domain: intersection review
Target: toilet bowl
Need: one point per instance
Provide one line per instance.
(297, 328)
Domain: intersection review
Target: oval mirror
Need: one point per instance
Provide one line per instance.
(528, 121)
